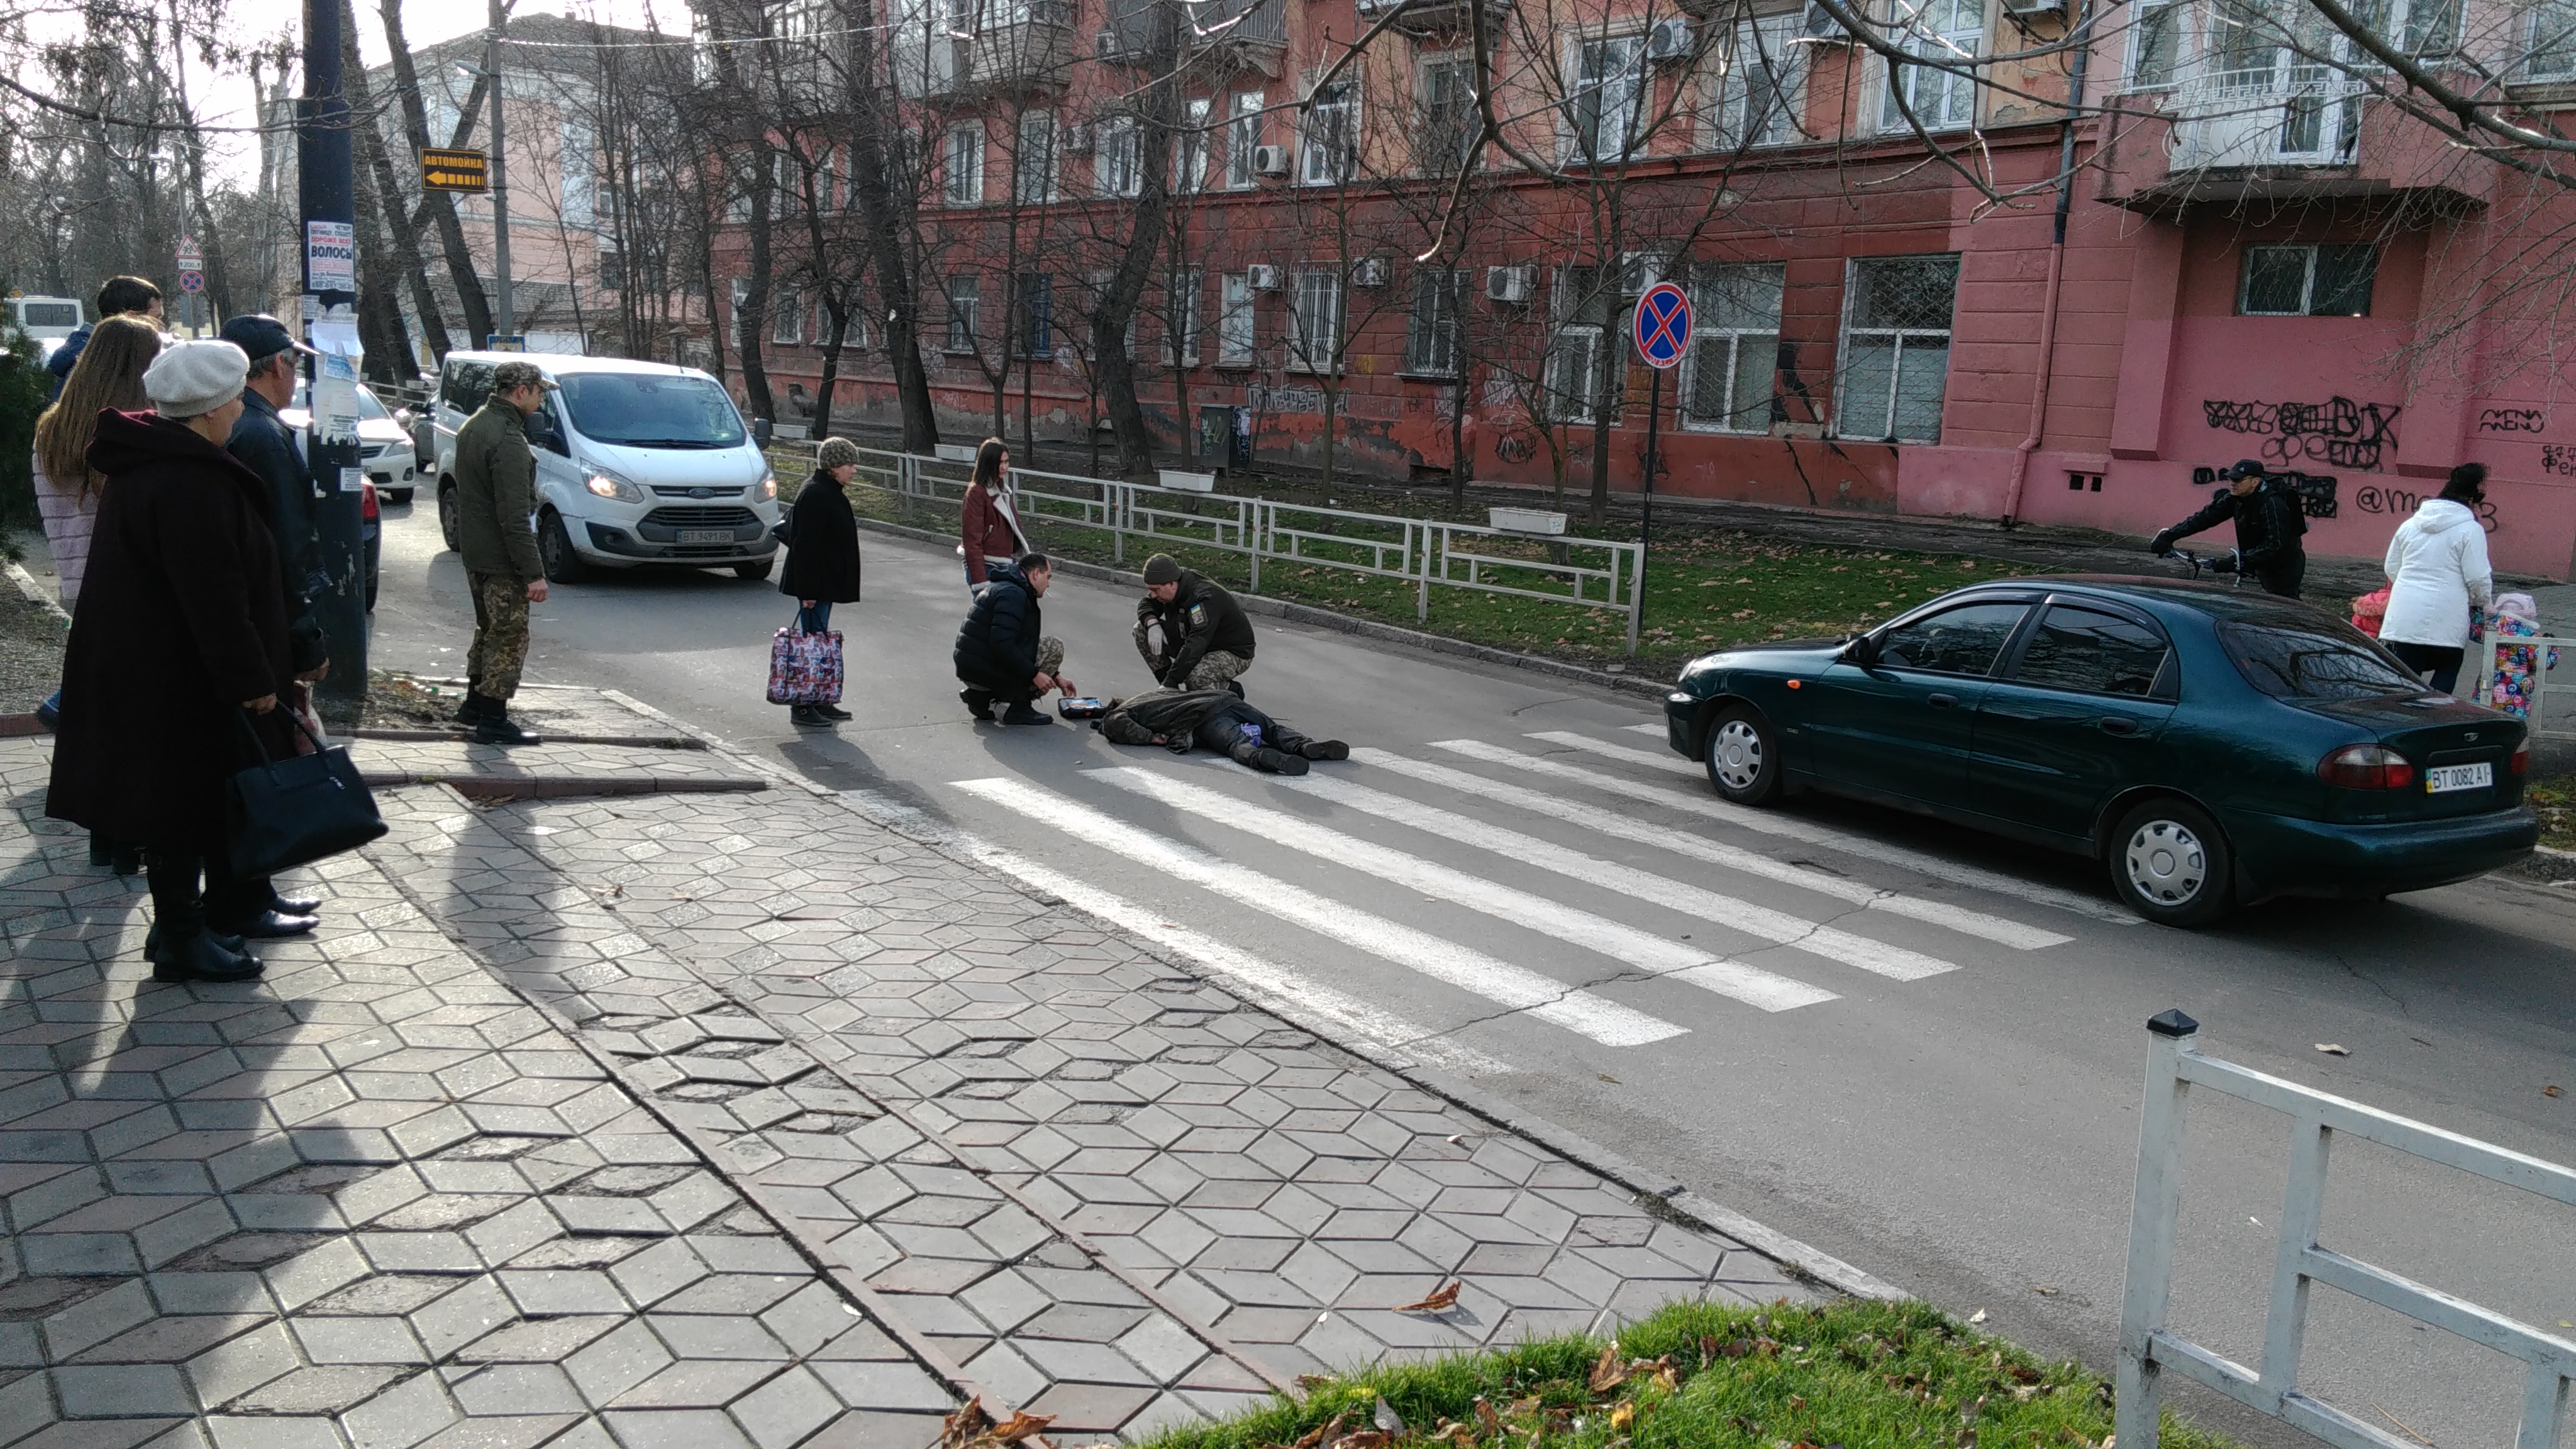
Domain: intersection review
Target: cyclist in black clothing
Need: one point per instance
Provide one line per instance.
(2269, 525)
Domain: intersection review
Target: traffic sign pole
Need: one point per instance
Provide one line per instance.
(1661, 328)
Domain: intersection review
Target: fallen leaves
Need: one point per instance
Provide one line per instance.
(1609, 1371)
(1977, 1317)
(973, 1428)
(1440, 1301)
(2551, 1091)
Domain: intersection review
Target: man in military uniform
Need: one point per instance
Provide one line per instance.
(1191, 632)
(496, 491)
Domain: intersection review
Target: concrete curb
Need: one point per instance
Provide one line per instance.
(497, 788)
(1800, 1259)
(37, 594)
(1308, 614)
(19, 726)
(466, 736)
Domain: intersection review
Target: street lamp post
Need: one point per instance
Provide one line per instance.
(505, 319)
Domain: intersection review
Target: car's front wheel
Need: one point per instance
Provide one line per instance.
(2171, 864)
(398, 495)
(447, 513)
(757, 569)
(555, 551)
(1743, 755)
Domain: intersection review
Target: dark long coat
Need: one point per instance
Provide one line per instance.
(180, 620)
(822, 546)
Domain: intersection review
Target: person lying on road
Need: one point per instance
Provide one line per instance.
(1214, 719)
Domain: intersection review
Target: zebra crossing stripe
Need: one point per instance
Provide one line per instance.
(1894, 962)
(1641, 949)
(1681, 842)
(1787, 827)
(1519, 989)
(1262, 982)
(1664, 760)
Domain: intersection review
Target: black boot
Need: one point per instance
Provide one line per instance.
(1021, 714)
(497, 728)
(200, 957)
(1236, 686)
(978, 702)
(128, 861)
(831, 711)
(809, 717)
(475, 707)
(1323, 749)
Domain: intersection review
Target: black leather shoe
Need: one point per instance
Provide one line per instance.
(1021, 714)
(808, 716)
(500, 729)
(128, 861)
(270, 926)
(978, 703)
(1324, 750)
(1279, 762)
(831, 711)
(201, 958)
(152, 942)
(295, 905)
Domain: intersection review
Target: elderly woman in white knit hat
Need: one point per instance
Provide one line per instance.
(180, 636)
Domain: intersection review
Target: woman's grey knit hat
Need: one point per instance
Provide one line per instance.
(835, 452)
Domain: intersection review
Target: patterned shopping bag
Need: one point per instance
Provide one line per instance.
(805, 668)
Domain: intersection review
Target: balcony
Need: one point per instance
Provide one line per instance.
(1427, 17)
(2295, 133)
(1020, 45)
(1252, 33)
(2310, 116)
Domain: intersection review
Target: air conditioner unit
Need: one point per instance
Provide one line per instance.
(1369, 272)
(1821, 26)
(1269, 160)
(1509, 284)
(2035, 9)
(1671, 39)
(1075, 141)
(1262, 278)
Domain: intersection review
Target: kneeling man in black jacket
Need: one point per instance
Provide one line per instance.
(1002, 656)
(1214, 719)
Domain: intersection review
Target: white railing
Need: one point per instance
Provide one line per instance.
(2235, 118)
(1424, 553)
(2553, 694)
(2147, 1348)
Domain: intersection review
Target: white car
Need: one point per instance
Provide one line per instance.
(47, 319)
(638, 464)
(384, 444)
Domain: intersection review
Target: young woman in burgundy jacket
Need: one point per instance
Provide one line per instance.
(991, 525)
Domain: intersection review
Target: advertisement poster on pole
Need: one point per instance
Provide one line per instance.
(330, 256)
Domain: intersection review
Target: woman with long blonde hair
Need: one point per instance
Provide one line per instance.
(108, 377)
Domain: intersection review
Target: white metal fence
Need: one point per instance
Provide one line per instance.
(1422, 553)
(2553, 692)
(2147, 1348)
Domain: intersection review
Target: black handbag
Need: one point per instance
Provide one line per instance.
(280, 814)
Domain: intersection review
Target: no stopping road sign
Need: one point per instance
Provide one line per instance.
(1662, 325)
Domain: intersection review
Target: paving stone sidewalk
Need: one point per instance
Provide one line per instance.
(1102, 1187)
(374, 1201)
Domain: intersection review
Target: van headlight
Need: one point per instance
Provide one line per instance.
(608, 485)
(768, 485)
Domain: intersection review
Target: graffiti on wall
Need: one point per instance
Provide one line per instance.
(2513, 420)
(1517, 446)
(2338, 431)
(2402, 503)
(1293, 400)
(2558, 460)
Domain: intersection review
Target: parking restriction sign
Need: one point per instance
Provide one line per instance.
(1663, 325)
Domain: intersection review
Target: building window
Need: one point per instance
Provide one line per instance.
(1431, 334)
(1605, 98)
(2551, 53)
(1315, 320)
(1190, 148)
(579, 195)
(965, 179)
(1761, 86)
(1033, 160)
(1573, 360)
(1187, 316)
(1119, 162)
(1331, 143)
(1949, 31)
(965, 305)
(1033, 315)
(1896, 347)
(2155, 44)
(2307, 281)
(1234, 316)
(1242, 138)
(786, 316)
(1735, 348)
(1447, 94)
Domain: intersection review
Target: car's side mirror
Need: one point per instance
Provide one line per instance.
(761, 432)
(1860, 649)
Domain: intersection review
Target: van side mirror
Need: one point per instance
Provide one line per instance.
(760, 432)
(1861, 649)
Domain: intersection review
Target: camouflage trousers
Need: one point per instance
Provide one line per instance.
(500, 633)
(1215, 668)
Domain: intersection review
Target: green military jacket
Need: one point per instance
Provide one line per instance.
(496, 490)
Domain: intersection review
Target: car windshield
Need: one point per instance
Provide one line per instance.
(2298, 656)
(651, 410)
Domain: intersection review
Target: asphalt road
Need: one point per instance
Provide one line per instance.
(1946, 1098)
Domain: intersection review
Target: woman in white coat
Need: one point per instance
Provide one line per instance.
(2437, 568)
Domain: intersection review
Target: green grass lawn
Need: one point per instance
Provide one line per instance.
(1698, 1376)
(1705, 588)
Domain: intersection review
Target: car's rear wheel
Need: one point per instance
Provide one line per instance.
(555, 551)
(447, 513)
(2171, 864)
(1743, 756)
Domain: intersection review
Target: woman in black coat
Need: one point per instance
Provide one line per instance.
(823, 553)
(178, 649)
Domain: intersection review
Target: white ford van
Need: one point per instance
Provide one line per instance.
(637, 463)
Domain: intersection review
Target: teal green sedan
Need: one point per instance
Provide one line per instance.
(2213, 747)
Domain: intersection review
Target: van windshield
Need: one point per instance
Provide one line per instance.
(651, 410)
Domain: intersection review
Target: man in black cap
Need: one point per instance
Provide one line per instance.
(2269, 524)
(1191, 632)
(263, 443)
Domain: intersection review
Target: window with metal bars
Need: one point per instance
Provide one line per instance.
(1895, 347)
